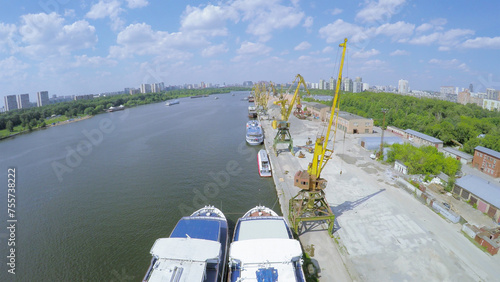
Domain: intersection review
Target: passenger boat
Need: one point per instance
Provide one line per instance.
(195, 251)
(252, 112)
(255, 135)
(263, 249)
(251, 98)
(253, 122)
(170, 103)
(264, 164)
(114, 109)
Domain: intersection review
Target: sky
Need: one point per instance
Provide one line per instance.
(74, 47)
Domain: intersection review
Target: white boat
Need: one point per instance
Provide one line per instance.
(254, 122)
(195, 250)
(263, 249)
(264, 164)
(170, 103)
(255, 135)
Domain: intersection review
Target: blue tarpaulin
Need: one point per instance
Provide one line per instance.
(267, 275)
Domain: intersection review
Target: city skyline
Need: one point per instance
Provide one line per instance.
(74, 48)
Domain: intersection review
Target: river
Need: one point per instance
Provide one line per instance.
(93, 196)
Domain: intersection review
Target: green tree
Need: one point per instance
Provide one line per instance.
(10, 126)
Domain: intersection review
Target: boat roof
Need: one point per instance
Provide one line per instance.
(263, 254)
(263, 155)
(200, 227)
(262, 227)
(254, 129)
(184, 259)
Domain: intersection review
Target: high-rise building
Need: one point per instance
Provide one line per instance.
(403, 86)
(23, 101)
(447, 90)
(347, 84)
(42, 98)
(322, 84)
(10, 102)
(145, 88)
(471, 88)
(358, 85)
(333, 83)
(464, 97)
(491, 94)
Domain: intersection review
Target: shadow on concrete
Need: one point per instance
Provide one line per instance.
(347, 206)
(311, 226)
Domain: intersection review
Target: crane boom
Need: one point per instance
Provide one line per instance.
(333, 113)
(311, 179)
(285, 113)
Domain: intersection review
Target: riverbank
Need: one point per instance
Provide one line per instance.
(50, 124)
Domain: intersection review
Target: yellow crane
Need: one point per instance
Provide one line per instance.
(283, 126)
(310, 203)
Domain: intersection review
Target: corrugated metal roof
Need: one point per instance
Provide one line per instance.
(488, 151)
(349, 116)
(316, 105)
(372, 143)
(456, 152)
(482, 188)
(423, 136)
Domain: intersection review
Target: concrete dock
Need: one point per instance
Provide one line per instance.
(382, 233)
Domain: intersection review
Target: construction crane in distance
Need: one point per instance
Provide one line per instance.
(283, 126)
(310, 203)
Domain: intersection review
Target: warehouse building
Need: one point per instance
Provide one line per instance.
(353, 124)
(480, 192)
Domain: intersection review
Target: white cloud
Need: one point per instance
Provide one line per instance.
(336, 11)
(450, 64)
(265, 16)
(7, 37)
(132, 4)
(337, 31)
(374, 65)
(448, 39)
(424, 27)
(210, 20)
(213, 50)
(379, 11)
(140, 39)
(396, 30)
(400, 53)
(105, 8)
(46, 34)
(250, 48)
(327, 49)
(96, 61)
(365, 54)
(12, 67)
(483, 42)
(308, 22)
(304, 45)
(69, 13)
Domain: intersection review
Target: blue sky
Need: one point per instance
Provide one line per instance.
(78, 47)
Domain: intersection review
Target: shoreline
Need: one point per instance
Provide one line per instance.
(48, 126)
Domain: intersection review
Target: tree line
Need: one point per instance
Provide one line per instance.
(35, 117)
(455, 124)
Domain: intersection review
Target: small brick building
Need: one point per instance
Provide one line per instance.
(487, 161)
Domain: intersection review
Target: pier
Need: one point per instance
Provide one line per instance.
(381, 232)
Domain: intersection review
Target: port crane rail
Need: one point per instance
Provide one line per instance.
(310, 203)
(283, 126)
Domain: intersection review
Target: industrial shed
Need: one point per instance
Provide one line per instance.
(373, 143)
(485, 194)
(463, 157)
